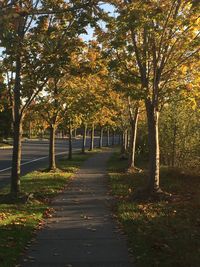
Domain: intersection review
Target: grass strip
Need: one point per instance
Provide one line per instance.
(160, 234)
(19, 221)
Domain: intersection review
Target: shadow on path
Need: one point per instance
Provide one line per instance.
(82, 232)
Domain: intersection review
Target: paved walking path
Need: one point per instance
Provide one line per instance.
(82, 232)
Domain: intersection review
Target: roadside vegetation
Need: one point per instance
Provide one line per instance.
(137, 79)
(160, 233)
(20, 219)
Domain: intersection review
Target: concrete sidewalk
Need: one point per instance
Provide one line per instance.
(82, 232)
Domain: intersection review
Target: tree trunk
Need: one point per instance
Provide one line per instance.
(17, 133)
(84, 138)
(16, 157)
(101, 138)
(70, 143)
(127, 140)
(108, 137)
(174, 145)
(92, 138)
(119, 138)
(154, 153)
(134, 122)
(75, 133)
(29, 130)
(52, 157)
(113, 137)
(123, 142)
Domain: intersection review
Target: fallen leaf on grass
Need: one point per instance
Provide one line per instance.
(3, 216)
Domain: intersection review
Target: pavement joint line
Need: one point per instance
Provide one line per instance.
(34, 160)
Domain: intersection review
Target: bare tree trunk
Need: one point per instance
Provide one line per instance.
(134, 123)
(174, 145)
(16, 157)
(70, 142)
(52, 157)
(108, 136)
(92, 138)
(101, 138)
(29, 130)
(17, 134)
(124, 142)
(127, 140)
(113, 137)
(154, 153)
(84, 138)
(119, 138)
(75, 133)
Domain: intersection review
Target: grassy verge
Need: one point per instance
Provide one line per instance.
(5, 145)
(19, 221)
(164, 234)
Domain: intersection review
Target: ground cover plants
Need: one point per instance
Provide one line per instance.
(20, 219)
(160, 233)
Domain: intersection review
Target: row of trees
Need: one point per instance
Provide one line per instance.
(145, 60)
(47, 69)
(154, 48)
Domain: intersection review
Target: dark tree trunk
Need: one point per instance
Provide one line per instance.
(29, 130)
(154, 153)
(134, 123)
(174, 145)
(52, 157)
(108, 136)
(113, 137)
(84, 138)
(16, 157)
(75, 133)
(119, 138)
(127, 140)
(17, 133)
(101, 138)
(70, 142)
(123, 142)
(92, 138)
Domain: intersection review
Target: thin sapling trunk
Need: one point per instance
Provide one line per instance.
(92, 138)
(101, 138)
(70, 142)
(154, 149)
(108, 137)
(84, 138)
(134, 123)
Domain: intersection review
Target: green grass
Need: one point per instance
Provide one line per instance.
(160, 234)
(18, 222)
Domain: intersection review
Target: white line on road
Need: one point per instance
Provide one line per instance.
(34, 160)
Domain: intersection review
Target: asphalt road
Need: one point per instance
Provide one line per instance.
(34, 156)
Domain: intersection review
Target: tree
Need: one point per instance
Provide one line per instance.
(24, 26)
(157, 38)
